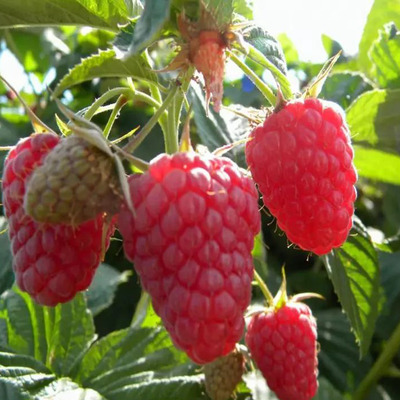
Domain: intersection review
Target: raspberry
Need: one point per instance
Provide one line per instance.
(207, 53)
(283, 343)
(301, 159)
(51, 262)
(223, 375)
(76, 182)
(191, 242)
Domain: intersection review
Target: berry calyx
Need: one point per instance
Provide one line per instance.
(302, 161)
(190, 242)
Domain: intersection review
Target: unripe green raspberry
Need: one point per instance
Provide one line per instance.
(223, 375)
(76, 182)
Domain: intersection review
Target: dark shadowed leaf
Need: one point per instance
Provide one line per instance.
(6, 271)
(154, 15)
(102, 290)
(354, 271)
(219, 129)
(339, 355)
(344, 87)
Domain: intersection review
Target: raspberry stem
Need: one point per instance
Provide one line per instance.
(91, 111)
(261, 86)
(138, 139)
(122, 100)
(264, 288)
(381, 365)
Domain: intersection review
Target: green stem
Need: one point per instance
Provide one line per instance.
(262, 87)
(156, 95)
(118, 106)
(91, 111)
(138, 139)
(264, 288)
(127, 92)
(381, 365)
(171, 135)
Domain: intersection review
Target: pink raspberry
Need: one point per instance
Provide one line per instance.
(191, 242)
(51, 262)
(302, 161)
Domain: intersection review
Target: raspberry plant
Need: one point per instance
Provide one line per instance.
(211, 182)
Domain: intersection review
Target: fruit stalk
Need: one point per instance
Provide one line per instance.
(137, 140)
(122, 100)
(264, 288)
(380, 367)
(261, 86)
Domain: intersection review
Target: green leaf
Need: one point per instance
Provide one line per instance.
(326, 391)
(243, 8)
(269, 47)
(65, 389)
(377, 165)
(20, 360)
(123, 363)
(105, 64)
(178, 387)
(382, 12)
(55, 336)
(29, 48)
(354, 271)
(374, 118)
(332, 47)
(104, 14)
(385, 55)
(344, 87)
(155, 14)
(219, 129)
(145, 316)
(72, 334)
(9, 390)
(221, 11)
(289, 49)
(6, 271)
(103, 287)
(258, 387)
(339, 355)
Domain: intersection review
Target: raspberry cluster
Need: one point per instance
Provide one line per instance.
(51, 262)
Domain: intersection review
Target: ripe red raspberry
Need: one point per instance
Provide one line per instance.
(207, 53)
(283, 343)
(51, 262)
(301, 159)
(191, 242)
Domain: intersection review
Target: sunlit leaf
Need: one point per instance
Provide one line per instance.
(382, 12)
(374, 118)
(385, 55)
(104, 14)
(106, 64)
